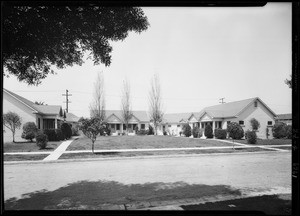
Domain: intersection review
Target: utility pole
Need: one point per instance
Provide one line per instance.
(221, 100)
(67, 99)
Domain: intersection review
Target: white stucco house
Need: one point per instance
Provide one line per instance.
(117, 125)
(241, 112)
(220, 115)
(44, 116)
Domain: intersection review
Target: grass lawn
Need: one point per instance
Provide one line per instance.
(150, 153)
(29, 146)
(141, 142)
(24, 157)
(268, 204)
(268, 141)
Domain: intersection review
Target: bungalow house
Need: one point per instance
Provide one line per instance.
(44, 116)
(219, 116)
(116, 122)
(72, 119)
(285, 118)
(172, 123)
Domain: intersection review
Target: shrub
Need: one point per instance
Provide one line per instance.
(196, 132)
(208, 131)
(59, 135)
(235, 130)
(136, 128)
(267, 132)
(251, 137)
(142, 132)
(41, 140)
(29, 131)
(186, 130)
(220, 133)
(75, 130)
(288, 129)
(151, 130)
(279, 130)
(66, 130)
(51, 134)
(165, 133)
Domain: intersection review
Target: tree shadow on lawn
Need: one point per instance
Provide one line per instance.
(91, 195)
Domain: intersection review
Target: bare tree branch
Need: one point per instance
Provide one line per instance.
(97, 107)
(126, 103)
(155, 103)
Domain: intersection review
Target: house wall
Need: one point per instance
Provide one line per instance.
(26, 114)
(261, 114)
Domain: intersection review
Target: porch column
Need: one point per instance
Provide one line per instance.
(55, 123)
(214, 126)
(121, 127)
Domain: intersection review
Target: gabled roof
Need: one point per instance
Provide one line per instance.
(231, 109)
(41, 109)
(287, 116)
(140, 115)
(176, 117)
(70, 117)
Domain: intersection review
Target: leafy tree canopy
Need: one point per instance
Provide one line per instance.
(36, 37)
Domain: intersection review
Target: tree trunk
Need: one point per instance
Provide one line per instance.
(13, 137)
(93, 147)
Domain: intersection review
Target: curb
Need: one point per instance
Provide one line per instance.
(137, 157)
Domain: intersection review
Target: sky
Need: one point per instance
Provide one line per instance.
(200, 55)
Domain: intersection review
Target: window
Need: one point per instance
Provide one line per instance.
(241, 122)
(39, 123)
(142, 126)
(178, 125)
(255, 104)
(270, 123)
(124, 126)
(118, 126)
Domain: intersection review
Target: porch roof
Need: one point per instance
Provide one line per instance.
(140, 115)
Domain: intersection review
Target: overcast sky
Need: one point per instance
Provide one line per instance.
(200, 54)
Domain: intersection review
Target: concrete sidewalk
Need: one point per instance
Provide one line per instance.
(59, 150)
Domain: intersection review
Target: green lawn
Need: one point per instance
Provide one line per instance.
(28, 146)
(141, 142)
(268, 141)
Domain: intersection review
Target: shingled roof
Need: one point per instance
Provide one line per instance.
(284, 116)
(70, 117)
(41, 109)
(140, 115)
(231, 109)
(176, 117)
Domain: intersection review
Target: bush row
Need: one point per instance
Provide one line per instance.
(281, 130)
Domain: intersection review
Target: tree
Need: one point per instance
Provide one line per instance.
(279, 130)
(254, 124)
(155, 103)
(36, 37)
(126, 103)
(12, 121)
(29, 131)
(289, 82)
(91, 128)
(40, 103)
(97, 107)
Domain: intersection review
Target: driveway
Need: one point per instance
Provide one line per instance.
(251, 173)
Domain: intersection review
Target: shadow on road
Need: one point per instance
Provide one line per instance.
(91, 195)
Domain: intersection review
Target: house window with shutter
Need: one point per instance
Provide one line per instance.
(270, 123)
(241, 122)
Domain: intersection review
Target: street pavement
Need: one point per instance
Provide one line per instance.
(255, 173)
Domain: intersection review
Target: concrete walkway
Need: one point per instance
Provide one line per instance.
(59, 150)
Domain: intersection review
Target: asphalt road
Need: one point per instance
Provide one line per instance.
(251, 173)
